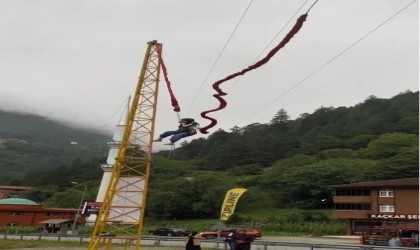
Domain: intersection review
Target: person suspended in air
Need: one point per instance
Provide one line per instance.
(187, 127)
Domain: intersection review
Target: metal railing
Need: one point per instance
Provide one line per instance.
(206, 243)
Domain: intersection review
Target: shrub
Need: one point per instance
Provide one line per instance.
(307, 228)
(84, 230)
(306, 216)
(238, 219)
(18, 230)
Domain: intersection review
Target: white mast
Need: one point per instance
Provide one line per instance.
(114, 146)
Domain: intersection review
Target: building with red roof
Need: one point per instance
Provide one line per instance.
(23, 212)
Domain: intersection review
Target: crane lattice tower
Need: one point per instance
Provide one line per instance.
(122, 210)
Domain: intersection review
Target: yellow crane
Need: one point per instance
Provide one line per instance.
(120, 220)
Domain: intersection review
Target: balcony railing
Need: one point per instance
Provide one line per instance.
(106, 166)
(352, 199)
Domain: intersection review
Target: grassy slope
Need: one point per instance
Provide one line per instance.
(18, 244)
(255, 214)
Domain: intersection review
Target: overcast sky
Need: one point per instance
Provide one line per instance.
(78, 60)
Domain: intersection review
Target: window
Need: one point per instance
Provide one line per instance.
(12, 224)
(387, 208)
(52, 214)
(352, 192)
(386, 193)
(16, 214)
(365, 192)
(359, 226)
(352, 206)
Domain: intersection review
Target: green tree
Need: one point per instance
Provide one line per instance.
(310, 184)
(69, 198)
(40, 194)
(391, 144)
(284, 163)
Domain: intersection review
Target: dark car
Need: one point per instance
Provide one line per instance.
(164, 231)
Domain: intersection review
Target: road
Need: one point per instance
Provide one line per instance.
(179, 243)
(257, 246)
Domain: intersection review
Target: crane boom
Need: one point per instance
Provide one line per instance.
(122, 210)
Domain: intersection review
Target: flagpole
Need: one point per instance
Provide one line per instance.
(228, 207)
(218, 232)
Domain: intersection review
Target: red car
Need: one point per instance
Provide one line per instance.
(224, 233)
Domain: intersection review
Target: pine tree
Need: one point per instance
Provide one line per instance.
(280, 117)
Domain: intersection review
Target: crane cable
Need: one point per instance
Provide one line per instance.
(219, 96)
(335, 57)
(223, 50)
(268, 45)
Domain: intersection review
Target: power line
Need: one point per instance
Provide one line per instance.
(272, 40)
(335, 57)
(224, 47)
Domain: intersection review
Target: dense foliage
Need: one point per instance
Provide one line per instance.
(283, 164)
(29, 142)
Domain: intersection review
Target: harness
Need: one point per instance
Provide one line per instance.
(190, 128)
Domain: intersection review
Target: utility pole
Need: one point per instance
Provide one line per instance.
(80, 207)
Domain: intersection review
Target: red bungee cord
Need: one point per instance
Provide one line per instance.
(220, 93)
(174, 101)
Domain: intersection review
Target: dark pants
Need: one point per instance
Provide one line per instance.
(231, 245)
(244, 246)
(176, 135)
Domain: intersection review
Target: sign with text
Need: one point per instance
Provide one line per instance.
(91, 207)
(229, 204)
(394, 216)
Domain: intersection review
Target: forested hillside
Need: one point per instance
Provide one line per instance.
(283, 164)
(29, 142)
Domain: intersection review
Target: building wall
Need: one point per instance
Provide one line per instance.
(9, 192)
(407, 201)
(375, 201)
(346, 214)
(33, 214)
(29, 218)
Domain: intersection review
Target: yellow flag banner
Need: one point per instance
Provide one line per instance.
(229, 204)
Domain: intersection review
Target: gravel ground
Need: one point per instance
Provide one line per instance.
(78, 248)
(73, 248)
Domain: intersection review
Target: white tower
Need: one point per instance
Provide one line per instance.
(114, 146)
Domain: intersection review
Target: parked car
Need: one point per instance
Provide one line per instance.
(164, 231)
(224, 233)
(106, 234)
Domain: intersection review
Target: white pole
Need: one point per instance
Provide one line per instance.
(219, 225)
